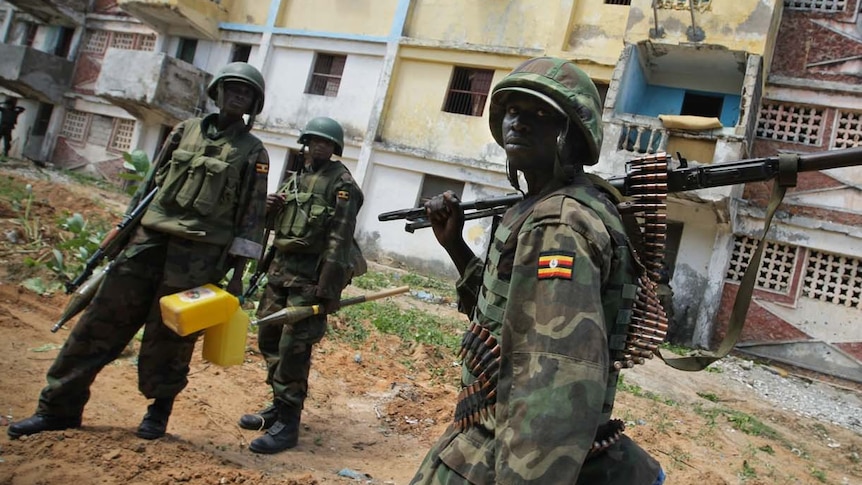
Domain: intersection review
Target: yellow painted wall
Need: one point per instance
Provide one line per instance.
(742, 25)
(251, 12)
(596, 32)
(361, 17)
(532, 24)
(415, 115)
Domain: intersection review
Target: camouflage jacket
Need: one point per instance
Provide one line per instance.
(245, 224)
(314, 230)
(540, 293)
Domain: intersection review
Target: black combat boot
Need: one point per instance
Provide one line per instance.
(263, 420)
(283, 435)
(38, 423)
(155, 422)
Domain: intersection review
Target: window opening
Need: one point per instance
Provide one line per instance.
(121, 137)
(240, 53)
(75, 125)
(833, 278)
(43, 119)
(618, 2)
(186, 50)
(326, 75)
(468, 91)
(701, 105)
(97, 42)
(848, 130)
(64, 42)
(816, 5)
(433, 185)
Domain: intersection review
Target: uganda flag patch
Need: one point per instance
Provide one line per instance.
(556, 264)
(343, 195)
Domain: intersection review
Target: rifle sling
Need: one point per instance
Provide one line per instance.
(787, 169)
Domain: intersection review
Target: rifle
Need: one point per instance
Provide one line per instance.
(680, 179)
(482, 207)
(114, 241)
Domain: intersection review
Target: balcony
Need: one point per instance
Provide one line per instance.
(68, 13)
(152, 86)
(184, 18)
(34, 74)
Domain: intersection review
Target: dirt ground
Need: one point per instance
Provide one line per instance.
(372, 412)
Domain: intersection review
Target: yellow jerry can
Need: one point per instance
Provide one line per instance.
(196, 309)
(224, 344)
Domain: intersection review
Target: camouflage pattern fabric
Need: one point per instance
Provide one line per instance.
(306, 278)
(152, 266)
(556, 255)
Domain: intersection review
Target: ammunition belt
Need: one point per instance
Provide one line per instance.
(607, 435)
(480, 352)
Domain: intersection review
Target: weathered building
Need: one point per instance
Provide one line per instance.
(807, 306)
(409, 80)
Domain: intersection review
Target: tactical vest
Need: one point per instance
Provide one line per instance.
(303, 225)
(618, 295)
(200, 186)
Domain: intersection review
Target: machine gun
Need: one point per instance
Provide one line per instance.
(641, 195)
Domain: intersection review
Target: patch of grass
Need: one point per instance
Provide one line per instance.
(375, 280)
(820, 475)
(714, 370)
(372, 280)
(748, 471)
(352, 332)
(410, 325)
(750, 425)
(676, 349)
(767, 449)
(636, 390)
(709, 396)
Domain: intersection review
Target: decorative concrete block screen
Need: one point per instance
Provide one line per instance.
(776, 266)
(816, 5)
(75, 125)
(790, 123)
(97, 41)
(833, 278)
(121, 138)
(848, 130)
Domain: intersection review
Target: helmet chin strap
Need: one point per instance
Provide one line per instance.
(564, 169)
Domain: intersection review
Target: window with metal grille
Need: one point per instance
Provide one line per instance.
(468, 91)
(817, 5)
(833, 278)
(75, 125)
(618, 2)
(97, 41)
(790, 123)
(433, 185)
(683, 4)
(326, 75)
(776, 266)
(848, 130)
(123, 40)
(121, 135)
(146, 42)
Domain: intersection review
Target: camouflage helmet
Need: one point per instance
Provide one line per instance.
(242, 72)
(326, 128)
(561, 84)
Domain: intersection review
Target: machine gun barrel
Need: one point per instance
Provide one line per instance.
(417, 213)
(744, 171)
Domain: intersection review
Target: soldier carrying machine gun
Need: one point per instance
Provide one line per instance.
(643, 191)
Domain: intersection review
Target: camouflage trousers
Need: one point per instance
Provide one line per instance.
(128, 299)
(287, 349)
(468, 457)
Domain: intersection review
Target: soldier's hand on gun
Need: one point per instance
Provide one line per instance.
(330, 305)
(446, 217)
(274, 202)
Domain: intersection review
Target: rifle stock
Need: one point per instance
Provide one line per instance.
(113, 242)
(680, 179)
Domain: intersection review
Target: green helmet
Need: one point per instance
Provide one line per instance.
(326, 128)
(561, 84)
(243, 72)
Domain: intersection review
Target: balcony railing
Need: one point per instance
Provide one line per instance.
(152, 86)
(34, 74)
(642, 135)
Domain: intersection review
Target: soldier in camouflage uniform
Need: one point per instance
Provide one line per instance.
(206, 218)
(316, 211)
(537, 382)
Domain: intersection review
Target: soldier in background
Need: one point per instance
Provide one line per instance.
(206, 219)
(8, 119)
(537, 383)
(316, 210)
